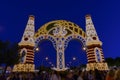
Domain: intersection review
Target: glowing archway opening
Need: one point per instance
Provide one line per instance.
(74, 49)
(46, 50)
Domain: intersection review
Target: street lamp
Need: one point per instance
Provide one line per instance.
(74, 58)
(70, 62)
(46, 58)
(68, 65)
(52, 65)
(84, 48)
(37, 49)
(50, 62)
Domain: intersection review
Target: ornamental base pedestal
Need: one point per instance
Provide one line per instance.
(57, 69)
(24, 68)
(99, 66)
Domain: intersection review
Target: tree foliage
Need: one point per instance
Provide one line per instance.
(8, 53)
(113, 61)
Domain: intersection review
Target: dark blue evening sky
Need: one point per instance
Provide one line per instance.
(105, 14)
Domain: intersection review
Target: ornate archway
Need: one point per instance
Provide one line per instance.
(60, 32)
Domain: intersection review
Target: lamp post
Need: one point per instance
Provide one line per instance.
(74, 59)
(37, 49)
(50, 62)
(46, 58)
(70, 63)
(84, 48)
(52, 65)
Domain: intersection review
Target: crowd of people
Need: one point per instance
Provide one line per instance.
(112, 74)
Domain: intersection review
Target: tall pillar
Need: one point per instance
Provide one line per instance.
(94, 48)
(26, 49)
(60, 55)
(60, 33)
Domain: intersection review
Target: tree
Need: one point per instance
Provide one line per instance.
(110, 61)
(113, 62)
(117, 61)
(2, 51)
(9, 54)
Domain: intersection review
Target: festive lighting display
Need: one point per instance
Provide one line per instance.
(26, 48)
(94, 51)
(60, 32)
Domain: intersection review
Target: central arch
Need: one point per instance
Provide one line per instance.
(60, 32)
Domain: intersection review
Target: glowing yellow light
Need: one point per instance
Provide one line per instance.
(84, 48)
(37, 49)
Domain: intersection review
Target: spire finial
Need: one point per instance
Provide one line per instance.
(28, 35)
(88, 16)
(90, 31)
(31, 17)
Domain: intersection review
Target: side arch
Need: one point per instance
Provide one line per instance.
(78, 37)
(42, 37)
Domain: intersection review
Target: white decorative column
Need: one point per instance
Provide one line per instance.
(59, 34)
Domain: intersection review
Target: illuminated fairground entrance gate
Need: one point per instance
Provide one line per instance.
(60, 32)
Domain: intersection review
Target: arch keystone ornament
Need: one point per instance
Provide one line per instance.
(60, 32)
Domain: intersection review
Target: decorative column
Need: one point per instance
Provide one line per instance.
(94, 48)
(60, 33)
(26, 49)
